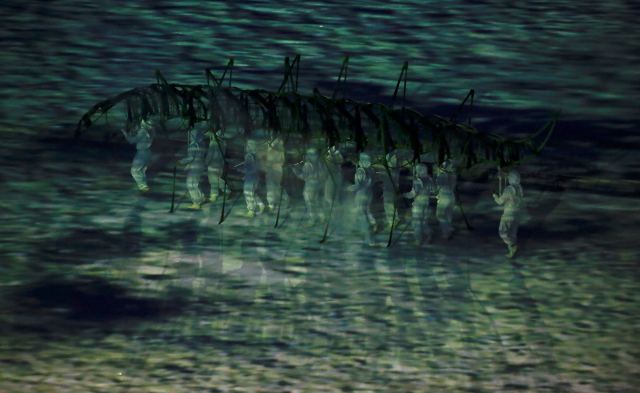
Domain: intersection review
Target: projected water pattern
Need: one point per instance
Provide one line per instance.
(102, 289)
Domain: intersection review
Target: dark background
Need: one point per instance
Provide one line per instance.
(59, 58)
(103, 290)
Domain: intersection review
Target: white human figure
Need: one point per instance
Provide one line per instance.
(511, 198)
(143, 139)
(389, 186)
(251, 167)
(312, 174)
(274, 166)
(333, 180)
(363, 189)
(446, 180)
(422, 191)
(195, 165)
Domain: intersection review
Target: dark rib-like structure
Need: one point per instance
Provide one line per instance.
(371, 126)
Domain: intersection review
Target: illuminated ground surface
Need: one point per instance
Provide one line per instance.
(103, 290)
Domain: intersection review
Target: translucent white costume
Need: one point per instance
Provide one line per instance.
(195, 163)
(251, 178)
(389, 186)
(274, 165)
(142, 139)
(313, 175)
(363, 188)
(446, 180)
(511, 198)
(421, 192)
(333, 180)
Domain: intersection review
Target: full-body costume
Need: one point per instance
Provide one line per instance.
(446, 180)
(511, 198)
(143, 140)
(312, 174)
(195, 163)
(274, 166)
(363, 188)
(421, 192)
(251, 167)
(390, 186)
(333, 180)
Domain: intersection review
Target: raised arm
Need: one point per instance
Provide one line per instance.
(504, 197)
(130, 137)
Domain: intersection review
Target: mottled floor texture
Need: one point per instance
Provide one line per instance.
(103, 290)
